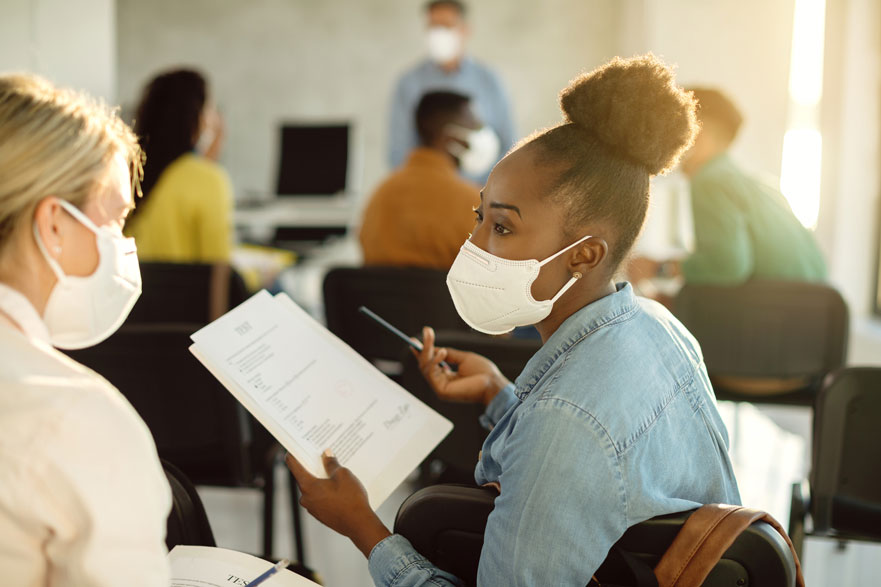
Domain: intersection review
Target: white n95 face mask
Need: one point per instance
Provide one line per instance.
(494, 295)
(482, 151)
(444, 44)
(83, 311)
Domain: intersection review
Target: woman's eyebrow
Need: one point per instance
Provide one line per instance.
(506, 207)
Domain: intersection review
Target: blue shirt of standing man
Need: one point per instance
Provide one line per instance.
(448, 68)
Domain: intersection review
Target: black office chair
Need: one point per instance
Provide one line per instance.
(187, 521)
(182, 293)
(767, 341)
(409, 298)
(845, 488)
(195, 422)
(454, 458)
(446, 523)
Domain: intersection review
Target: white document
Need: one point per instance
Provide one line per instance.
(205, 566)
(312, 392)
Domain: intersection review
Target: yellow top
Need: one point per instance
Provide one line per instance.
(188, 216)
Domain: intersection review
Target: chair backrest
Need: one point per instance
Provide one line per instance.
(187, 521)
(845, 485)
(408, 297)
(766, 329)
(458, 451)
(181, 292)
(446, 524)
(195, 422)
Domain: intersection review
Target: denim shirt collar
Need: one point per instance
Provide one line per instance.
(576, 327)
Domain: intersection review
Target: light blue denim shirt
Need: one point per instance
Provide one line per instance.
(612, 422)
(473, 79)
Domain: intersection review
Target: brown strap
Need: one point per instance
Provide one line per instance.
(704, 538)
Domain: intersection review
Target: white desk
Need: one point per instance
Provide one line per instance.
(259, 223)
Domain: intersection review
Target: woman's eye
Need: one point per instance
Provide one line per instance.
(500, 230)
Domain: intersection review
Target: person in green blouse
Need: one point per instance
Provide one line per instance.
(744, 229)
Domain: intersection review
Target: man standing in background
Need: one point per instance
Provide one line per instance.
(421, 214)
(448, 68)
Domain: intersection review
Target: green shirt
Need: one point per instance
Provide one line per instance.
(746, 230)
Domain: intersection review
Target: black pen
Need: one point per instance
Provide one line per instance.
(382, 322)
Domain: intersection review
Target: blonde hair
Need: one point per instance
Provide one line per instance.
(55, 142)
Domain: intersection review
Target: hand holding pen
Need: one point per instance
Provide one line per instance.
(397, 332)
(282, 564)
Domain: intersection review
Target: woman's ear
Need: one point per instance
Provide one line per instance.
(47, 216)
(588, 255)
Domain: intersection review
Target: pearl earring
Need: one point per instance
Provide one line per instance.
(56, 249)
(577, 275)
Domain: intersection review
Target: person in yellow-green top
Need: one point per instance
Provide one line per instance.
(744, 229)
(185, 214)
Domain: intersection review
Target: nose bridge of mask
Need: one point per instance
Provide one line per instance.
(490, 261)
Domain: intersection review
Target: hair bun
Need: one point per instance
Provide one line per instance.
(634, 107)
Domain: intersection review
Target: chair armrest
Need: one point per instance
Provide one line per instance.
(446, 523)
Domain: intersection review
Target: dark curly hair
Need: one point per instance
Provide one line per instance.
(167, 122)
(623, 123)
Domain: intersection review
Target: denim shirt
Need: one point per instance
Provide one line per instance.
(612, 422)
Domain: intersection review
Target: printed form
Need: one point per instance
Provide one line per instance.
(207, 566)
(313, 392)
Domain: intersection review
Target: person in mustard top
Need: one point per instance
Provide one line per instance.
(422, 213)
(185, 215)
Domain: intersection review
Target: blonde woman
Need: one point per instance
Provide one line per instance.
(83, 499)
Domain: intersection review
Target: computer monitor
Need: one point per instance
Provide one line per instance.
(314, 160)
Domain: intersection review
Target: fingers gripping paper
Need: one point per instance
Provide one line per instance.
(312, 392)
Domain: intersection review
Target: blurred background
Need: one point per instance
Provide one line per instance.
(804, 73)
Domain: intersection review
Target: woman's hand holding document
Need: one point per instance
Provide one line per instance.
(313, 392)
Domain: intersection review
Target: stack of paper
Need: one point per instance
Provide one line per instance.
(313, 392)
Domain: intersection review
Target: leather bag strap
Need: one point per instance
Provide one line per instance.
(704, 538)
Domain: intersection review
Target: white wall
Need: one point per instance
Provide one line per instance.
(851, 126)
(739, 46)
(71, 43)
(270, 60)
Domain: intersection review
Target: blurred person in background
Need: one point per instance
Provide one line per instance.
(422, 213)
(83, 497)
(185, 215)
(447, 67)
(744, 229)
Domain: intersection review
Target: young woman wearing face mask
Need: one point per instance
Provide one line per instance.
(614, 420)
(185, 215)
(83, 498)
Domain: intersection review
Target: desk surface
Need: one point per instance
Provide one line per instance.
(259, 223)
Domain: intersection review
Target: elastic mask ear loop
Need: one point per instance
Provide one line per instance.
(56, 268)
(574, 278)
(569, 284)
(81, 218)
(561, 251)
(78, 214)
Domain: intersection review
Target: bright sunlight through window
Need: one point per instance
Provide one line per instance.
(800, 180)
(802, 144)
